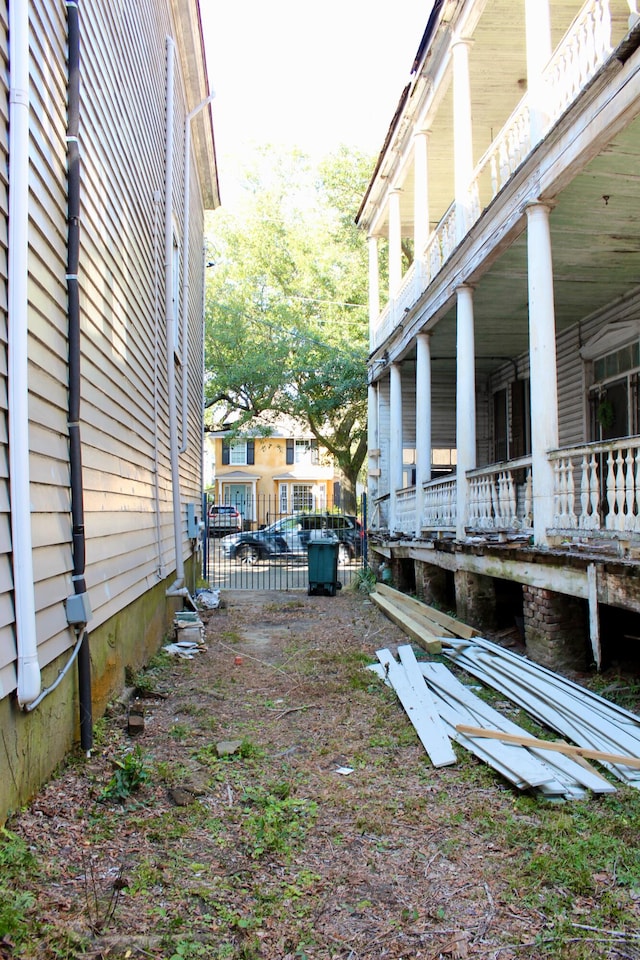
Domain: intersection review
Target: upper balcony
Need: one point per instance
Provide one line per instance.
(446, 160)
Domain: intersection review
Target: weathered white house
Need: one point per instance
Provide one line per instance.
(109, 166)
(504, 460)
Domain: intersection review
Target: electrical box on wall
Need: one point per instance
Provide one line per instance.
(78, 609)
(193, 524)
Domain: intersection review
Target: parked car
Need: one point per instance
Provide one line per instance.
(223, 518)
(290, 536)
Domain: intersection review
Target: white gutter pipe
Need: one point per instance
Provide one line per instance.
(185, 264)
(29, 681)
(157, 199)
(170, 324)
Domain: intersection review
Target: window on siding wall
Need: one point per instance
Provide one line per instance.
(520, 419)
(613, 397)
(408, 467)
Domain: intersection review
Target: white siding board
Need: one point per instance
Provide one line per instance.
(50, 529)
(6, 582)
(384, 422)
(8, 680)
(443, 402)
(6, 575)
(46, 498)
(47, 469)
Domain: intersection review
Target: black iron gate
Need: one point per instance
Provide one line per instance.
(253, 546)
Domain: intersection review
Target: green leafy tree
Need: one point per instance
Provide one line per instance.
(286, 317)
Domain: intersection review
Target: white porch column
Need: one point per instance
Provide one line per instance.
(542, 363)
(395, 244)
(420, 194)
(538, 43)
(395, 439)
(373, 442)
(462, 136)
(374, 290)
(423, 422)
(465, 403)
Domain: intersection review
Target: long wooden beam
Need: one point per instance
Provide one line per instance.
(413, 628)
(455, 627)
(567, 748)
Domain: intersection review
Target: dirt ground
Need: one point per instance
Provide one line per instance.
(327, 833)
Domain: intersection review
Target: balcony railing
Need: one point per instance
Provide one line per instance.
(503, 157)
(583, 49)
(441, 243)
(597, 487)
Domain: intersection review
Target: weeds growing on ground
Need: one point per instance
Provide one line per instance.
(130, 773)
(15, 903)
(276, 822)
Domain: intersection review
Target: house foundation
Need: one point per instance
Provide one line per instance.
(431, 584)
(555, 628)
(475, 599)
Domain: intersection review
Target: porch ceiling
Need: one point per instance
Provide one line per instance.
(497, 77)
(595, 237)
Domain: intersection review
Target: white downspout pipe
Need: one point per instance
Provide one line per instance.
(177, 588)
(29, 681)
(185, 264)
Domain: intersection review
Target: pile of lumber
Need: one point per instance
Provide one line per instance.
(444, 710)
(426, 625)
(592, 723)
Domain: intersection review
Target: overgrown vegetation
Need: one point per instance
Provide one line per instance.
(272, 852)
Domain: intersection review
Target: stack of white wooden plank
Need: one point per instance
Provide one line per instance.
(581, 716)
(437, 704)
(597, 729)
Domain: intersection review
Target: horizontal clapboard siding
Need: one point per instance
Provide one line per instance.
(124, 427)
(384, 430)
(7, 642)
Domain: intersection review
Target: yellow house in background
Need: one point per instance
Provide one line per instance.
(275, 467)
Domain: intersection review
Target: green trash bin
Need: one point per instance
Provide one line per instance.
(323, 566)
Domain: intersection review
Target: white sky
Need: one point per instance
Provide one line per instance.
(305, 74)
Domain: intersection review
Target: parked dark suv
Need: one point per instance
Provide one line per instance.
(223, 519)
(289, 536)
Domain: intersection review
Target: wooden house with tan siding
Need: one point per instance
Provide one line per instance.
(504, 408)
(109, 160)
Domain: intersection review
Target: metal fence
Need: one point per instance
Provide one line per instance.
(254, 546)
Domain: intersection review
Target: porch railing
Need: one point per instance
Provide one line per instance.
(597, 487)
(440, 504)
(500, 497)
(405, 508)
(596, 492)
